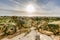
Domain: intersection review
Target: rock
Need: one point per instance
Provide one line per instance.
(32, 36)
(45, 37)
(45, 32)
(56, 38)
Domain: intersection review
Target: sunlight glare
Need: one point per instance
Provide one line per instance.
(30, 9)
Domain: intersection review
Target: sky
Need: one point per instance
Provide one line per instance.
(44, 7)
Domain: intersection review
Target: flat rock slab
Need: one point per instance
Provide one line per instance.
(30, 36)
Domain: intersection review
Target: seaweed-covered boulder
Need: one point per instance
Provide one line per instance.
(54, 28)
(2, 29)
(11, 29)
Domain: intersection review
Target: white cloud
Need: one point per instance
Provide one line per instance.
(45, 9)
(50, 9)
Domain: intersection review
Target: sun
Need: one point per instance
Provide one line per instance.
(30, 8)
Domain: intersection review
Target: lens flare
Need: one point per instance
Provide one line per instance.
(30, 9)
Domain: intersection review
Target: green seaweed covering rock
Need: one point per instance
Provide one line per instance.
(11, 29)
(2, 29)
(54, 28)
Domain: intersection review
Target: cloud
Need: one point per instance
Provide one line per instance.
(49, 8)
